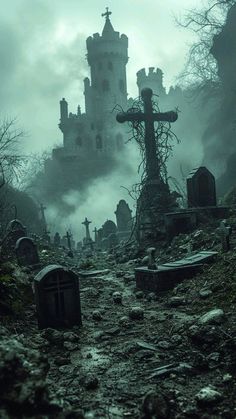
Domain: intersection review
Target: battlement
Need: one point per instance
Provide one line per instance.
(151, 75)
(152, 79)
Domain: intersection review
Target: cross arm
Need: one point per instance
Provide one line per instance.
(170, 116)
(130, 117)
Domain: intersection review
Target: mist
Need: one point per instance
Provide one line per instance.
(43, 46)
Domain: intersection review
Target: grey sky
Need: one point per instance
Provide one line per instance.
(42, 49)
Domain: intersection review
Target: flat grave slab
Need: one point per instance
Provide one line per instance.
(168, 275)
(90, 274)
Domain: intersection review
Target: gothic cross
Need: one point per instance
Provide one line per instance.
(107, 13)
(86, 223)
(149, 117)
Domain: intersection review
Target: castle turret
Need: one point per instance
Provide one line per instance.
(64, 110)
(153, 80)
(107, 57)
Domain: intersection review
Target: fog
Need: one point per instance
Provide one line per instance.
(42, 45)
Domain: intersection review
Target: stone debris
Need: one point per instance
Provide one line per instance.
(215, 316)
(136, 313)
(208, 395)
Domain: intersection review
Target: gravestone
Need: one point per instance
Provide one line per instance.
(180, 222)
(57, 297)
(26, 252)
(113, 240)
(123, 216)
(108, 228)
(57, 239)
(15, 230)
(201, 189)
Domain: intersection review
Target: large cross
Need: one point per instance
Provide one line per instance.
(149, 117)
(107, 13)
(86, 223)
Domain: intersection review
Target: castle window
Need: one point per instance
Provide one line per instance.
(122, 86)
(119, 141)
(110, 66)
(99, 142)
(78, 141)
(105, 86)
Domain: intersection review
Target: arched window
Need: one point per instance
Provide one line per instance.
(78, 141)
(119, 141)
(105, 85)
(122, 86)
(110, 66)
(99, 142)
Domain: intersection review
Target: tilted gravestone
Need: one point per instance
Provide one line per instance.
(201, 189)
(26, 252)
(57, 297)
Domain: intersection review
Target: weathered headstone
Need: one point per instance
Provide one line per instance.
(108, 228)
(15, 230)
(57, 239)
(123, 216)
(201, 189)
(26, 252)
(57, 297)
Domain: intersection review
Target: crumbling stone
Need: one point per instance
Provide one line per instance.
(215, 316)
(208, 395)
(136, 313)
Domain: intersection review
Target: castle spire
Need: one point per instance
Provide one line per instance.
(108, 28)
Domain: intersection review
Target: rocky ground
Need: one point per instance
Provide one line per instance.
(171, 355)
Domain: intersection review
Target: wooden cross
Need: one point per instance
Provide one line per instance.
(107, 13)
(149, 117)
(86, 223)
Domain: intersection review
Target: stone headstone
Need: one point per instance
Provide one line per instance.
(57, 239)
(113, 240)
(201, 189)
(123, 216)
(15, 230)
(26, 252)
(108, 228)
(57, 297)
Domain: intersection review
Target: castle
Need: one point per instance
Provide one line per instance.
(93, 141)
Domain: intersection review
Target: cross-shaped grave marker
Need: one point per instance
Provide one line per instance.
(149, 118)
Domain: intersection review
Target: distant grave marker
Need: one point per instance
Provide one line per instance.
(201, 188)
(57, 297)
(26, 252)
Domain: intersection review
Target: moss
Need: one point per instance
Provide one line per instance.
(5, 279)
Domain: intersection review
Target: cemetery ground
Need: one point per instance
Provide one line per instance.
(137, 355)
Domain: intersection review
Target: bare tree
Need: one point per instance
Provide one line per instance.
(10, 158)
(201, 66)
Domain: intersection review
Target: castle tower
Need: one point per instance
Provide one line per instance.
(153, 80)
(107, 57)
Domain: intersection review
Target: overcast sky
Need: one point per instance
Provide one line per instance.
(42, 49)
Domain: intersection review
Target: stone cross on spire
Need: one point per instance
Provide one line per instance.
(149, 117)
(107, 13)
